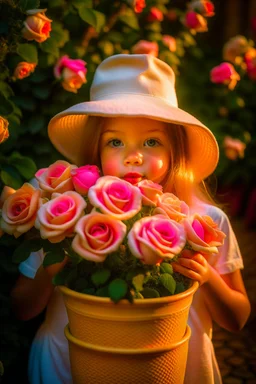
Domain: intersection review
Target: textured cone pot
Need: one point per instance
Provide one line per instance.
(92, 364)
(145, 323)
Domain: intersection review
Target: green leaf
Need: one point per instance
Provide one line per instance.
(137, 282)
(61, 277)
(166, 268)
(25, 5)
(59, 35)
(28, 52)
(180, 287)
(23, 251)
(5, 106)
(102, 292)
(130, 20)
(82, 3)
(117, 289)
(10, 176)
(100, 277)
(168, 282)
(54, 256)
(50, 46)
(26, 166)
(92, 17)
(149, 293)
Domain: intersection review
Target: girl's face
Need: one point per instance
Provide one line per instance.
(135, 149)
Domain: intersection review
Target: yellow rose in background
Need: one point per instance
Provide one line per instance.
(4, 132)
(37, 26)
(23, 70)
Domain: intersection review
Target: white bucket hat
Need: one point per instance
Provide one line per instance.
(133, 86)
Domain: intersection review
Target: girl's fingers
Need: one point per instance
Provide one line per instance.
(186, 272)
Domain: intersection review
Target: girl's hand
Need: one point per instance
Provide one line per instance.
(194, 266)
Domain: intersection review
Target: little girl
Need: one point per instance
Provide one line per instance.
(132, 128)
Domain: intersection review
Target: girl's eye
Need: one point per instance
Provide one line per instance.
(115, 143)
(151, 143)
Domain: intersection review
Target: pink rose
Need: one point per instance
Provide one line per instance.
(234, 148)
(155, 15)
(146, 47)
(57, 218)
(235, 47)
(203, 234)
(19, 210)
(115, 197)
(84, 177)
(71, 72)
(225, 73)
(205, 7)
(172, 206)
(56, 178)
(155, 238)
(37, 26)
(150, 192)
(170, 42)
(97, 236)
(23, 69)
(250, 61)
(195, 21)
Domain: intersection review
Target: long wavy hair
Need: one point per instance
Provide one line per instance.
(180, 178)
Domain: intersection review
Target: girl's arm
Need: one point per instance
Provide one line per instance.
(225, 295)
(29, 297)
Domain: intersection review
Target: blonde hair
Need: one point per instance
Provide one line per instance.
(180, 178)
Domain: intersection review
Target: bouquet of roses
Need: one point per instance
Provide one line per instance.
(120, 239)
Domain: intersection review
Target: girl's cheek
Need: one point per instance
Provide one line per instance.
(110, 167)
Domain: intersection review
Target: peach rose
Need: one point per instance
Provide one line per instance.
(23, 70)
(250, 61)
(6, 192)
(115, 197)
(56, 219)
(236, 46)
(97, 236)
(234, 148)
(205, 7)
(170, 42)
(4, 132)
(203, 234)
(225, 73)
(84, 177)
(56, 178)
(71, 72)
(172, 206)
(155, 15)
(195, 21)
(37, 26)
(147, 47)
(155, 238)
(150, 192)
(19, 210)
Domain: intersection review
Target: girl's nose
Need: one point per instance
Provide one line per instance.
(134, 158)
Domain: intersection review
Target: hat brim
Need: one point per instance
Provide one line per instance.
(67, 127)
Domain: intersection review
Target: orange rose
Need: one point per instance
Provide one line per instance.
(4, 132)
(170, 42)
(19, 210)
(37, 26)
(23, 70)
(234, 148)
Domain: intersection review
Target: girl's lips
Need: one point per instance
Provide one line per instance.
(133, 177)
